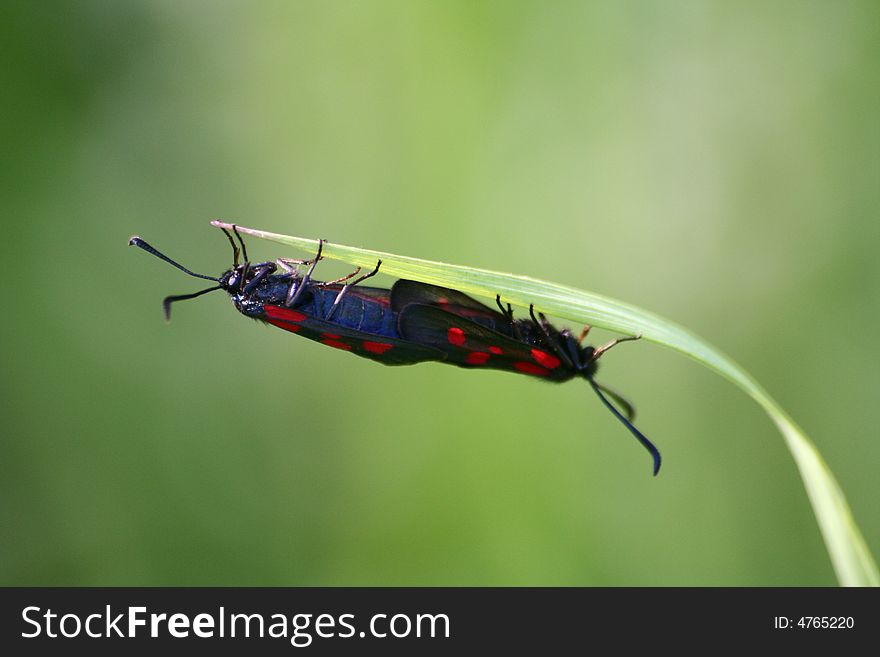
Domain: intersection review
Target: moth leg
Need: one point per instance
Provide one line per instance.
(366, 276)
(240, 241)
(260, 272)
(341, 280)
(291, 270)
(550, 334)
(551, 337)
(598, 351)
(584, 333)
(235, 252)
(508, 315)
(348, 285)
(535, 320)
(290, 265)
(234, 248)
(574, 351)
(542, 323)
(296, 289)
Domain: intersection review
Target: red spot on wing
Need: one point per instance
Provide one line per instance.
(330, 336)
(496, 350)
(283, 314)
(443, 301)
(377, 347)
(476, 358)
(526, 367)
(336, 344)
(547, 360)
(455, 336)
(287, 326)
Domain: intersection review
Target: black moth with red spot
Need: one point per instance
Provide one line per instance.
(410, 323)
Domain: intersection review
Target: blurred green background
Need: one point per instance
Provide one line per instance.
(715, 162)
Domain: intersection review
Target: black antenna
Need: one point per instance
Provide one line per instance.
(628, 409)
(167, 301)
(655, 453)
(137, 241)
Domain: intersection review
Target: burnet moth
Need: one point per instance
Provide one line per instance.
(410, 323)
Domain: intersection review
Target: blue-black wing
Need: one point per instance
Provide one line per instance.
(405, 293)
(467, 343)
(381, 348)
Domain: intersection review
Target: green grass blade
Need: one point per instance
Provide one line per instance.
(850, 557)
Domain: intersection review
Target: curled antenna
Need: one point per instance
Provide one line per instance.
(655, 453)
(628, 409)
(167, 301)
(138, 242)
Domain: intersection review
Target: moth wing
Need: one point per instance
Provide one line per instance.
(379, 295)
(389, 351)
(405, 293)
(467, 343)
